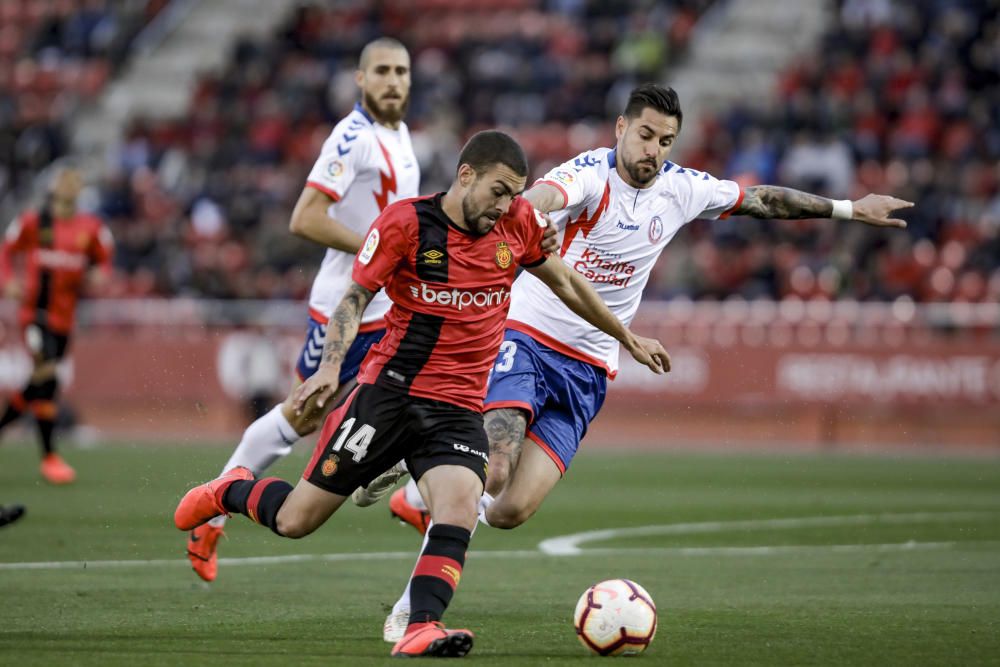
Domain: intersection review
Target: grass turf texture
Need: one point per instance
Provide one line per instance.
(819, 606)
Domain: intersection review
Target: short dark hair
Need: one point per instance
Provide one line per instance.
(659, 98)
(379, 43)
(489, 147)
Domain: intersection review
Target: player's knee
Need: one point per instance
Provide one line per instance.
(294, 526)
(508, 516)
(304, 424)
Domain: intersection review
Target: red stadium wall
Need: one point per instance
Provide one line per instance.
(736, 381)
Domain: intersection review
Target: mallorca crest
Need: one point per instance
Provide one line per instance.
(504, 255)
(330, 466)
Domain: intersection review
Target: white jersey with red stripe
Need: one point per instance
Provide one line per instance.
(613, 234)
(364, 167)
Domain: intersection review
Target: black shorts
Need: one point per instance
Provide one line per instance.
(43, 342)
(374, 427)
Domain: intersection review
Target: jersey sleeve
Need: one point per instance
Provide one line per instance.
(708, 197)
(534, 227)
(576, 179)
(17, 239)
(388, 243)
(343, 155)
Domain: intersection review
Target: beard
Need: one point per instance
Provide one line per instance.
(479, 224)
(385, 114)
(643, 172)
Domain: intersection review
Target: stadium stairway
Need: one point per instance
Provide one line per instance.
(188, 39)
(738, 50)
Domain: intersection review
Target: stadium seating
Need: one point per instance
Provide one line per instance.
(55, 56)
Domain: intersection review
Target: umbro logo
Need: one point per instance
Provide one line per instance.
(433, 256)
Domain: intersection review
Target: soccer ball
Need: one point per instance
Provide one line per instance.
(615, 617)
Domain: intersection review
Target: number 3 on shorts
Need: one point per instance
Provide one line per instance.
(505, 361)
(358, 443)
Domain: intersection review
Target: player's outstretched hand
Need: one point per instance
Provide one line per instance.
(550, 238)
(649, 353)
(875, 210)
(320, 387)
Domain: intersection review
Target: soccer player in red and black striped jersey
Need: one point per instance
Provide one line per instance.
(447, 262)
(62, 248)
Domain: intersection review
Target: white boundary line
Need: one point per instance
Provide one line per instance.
(568, 545)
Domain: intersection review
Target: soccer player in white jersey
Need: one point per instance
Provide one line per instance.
(365, 164)
(619, 208)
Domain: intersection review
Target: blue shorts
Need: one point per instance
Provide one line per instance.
(562, 394)
(312, 352)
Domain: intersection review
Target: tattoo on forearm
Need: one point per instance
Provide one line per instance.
(342, 328)
(771, 201)
(505, 429)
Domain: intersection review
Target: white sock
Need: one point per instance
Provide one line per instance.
(265, 441)
(484, 504)
(413, 495)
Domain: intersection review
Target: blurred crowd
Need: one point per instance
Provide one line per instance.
(900, 98)
(200, 206)
(54, 56)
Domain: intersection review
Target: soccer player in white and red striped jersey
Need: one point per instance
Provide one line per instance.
(619, 208)
(365, 164)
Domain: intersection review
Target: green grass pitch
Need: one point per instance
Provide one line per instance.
(880, 561)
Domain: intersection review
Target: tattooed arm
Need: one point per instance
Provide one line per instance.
(505, 428)
(772, 201)
(341, 331)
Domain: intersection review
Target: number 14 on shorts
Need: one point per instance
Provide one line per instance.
(358, 443)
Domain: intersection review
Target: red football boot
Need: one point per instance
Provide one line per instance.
(433, 639)
(204, 502)
(407, 513)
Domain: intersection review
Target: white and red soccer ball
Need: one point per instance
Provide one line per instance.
(615, 617)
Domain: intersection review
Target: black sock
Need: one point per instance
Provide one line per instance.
(258, 499)
(45, 429)
(11, 414)
(438, 572)
(41, 397)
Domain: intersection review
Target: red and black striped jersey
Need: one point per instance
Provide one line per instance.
(57, 254)
(450, 292)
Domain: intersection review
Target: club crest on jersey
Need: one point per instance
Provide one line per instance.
(330, 466)
(504, 255)
(368, 251)
(655, 229)
(334, 168)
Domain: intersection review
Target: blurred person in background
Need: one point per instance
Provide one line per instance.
(59, 246)
(365, 164)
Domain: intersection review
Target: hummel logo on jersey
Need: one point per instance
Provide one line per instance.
(460, 298)
(627, 228)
